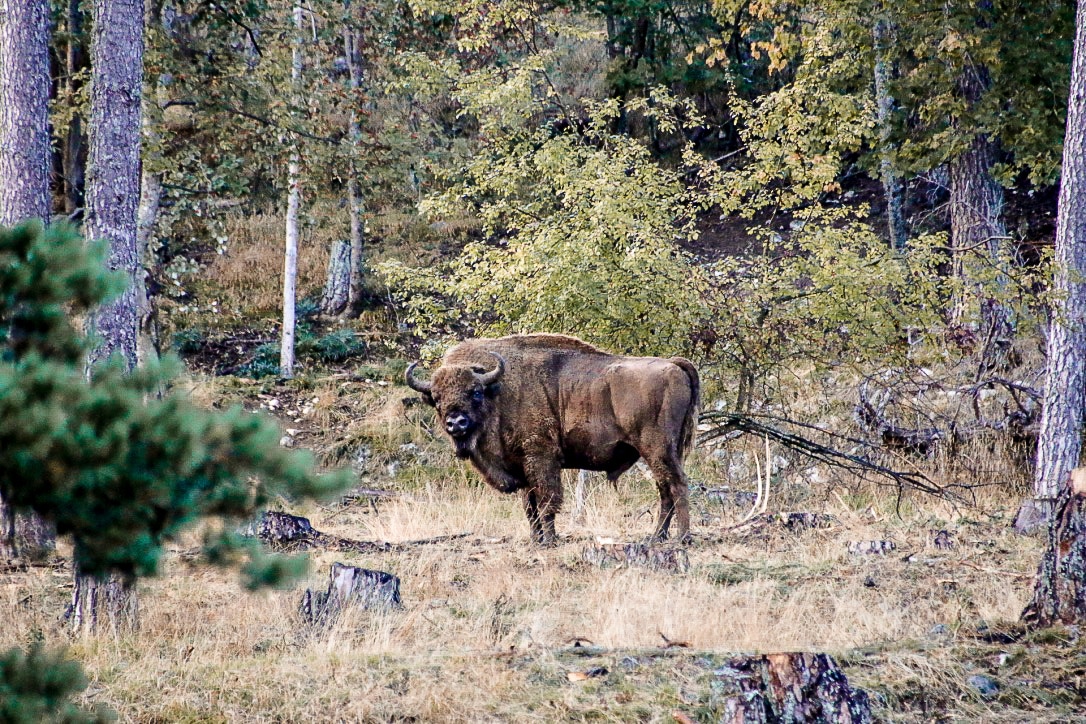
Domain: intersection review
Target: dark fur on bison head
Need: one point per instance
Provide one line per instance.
(463, 398)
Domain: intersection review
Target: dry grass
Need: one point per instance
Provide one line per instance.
(248, 276)
(488, 623)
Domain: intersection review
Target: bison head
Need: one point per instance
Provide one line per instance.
(462, 395)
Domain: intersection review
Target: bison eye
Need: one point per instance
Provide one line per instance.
(477, 395)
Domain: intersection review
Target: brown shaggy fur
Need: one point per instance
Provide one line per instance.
(562, 403)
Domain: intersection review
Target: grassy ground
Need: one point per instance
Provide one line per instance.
(491, 628)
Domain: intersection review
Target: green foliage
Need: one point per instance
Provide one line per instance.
(338, 346)
(36, 686)
(113, 464)
(264, 362)
(588, 225)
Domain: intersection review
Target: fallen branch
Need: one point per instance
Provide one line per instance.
(287, 532)
(725, 423)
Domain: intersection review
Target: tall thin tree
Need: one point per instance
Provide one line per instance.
(112, 197)
(1059, 444)
(24, 181)
(355, 287)
(893, 188)
(294, 199)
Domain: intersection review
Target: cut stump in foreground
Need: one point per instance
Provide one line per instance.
(794, 687)
(350, 587)
(642, 555)
(1059, 593)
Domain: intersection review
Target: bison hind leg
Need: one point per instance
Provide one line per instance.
(674, 494)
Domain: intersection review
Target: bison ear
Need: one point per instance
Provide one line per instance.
(493, 389)
(428, 399)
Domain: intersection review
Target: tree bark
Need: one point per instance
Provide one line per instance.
(113, 173)
(24, 187)
(977, 235)
(802, 687)
(112, 197)
(1059, 591)
(334, 299)
(350, 587)
(1059, 444)
(290, 256)
(893, 188)
(24, 111)
(356, 280)
(95, 600)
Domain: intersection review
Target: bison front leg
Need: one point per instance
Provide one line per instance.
(543, 499)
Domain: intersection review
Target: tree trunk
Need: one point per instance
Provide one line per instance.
(112, 196)
(577, 513)
(1059, 591)
(95, 600)
(334, 299)
(75, 147)
(978, 238)
(357, 262)
(113, 173)
(802, 687)
(1059, 444)
(154, 98)
(24, 111)
(290, 257)
(891, 181)
(24, 186)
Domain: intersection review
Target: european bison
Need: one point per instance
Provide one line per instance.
(524, 407)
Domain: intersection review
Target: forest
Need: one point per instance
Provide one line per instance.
(239, 238)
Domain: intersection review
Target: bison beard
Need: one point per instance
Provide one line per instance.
(524, 407)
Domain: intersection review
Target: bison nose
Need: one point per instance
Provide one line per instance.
(457, 423)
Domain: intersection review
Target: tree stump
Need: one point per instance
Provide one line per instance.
(1059, 592)
(283, 530)
(642, 555)
(350, 587)
(799, 687)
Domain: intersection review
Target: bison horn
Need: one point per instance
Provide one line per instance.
(416, 385)
(489, 378)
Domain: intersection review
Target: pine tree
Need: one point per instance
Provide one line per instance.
(117, 469)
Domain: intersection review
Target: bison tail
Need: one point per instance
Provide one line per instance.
(690, 422)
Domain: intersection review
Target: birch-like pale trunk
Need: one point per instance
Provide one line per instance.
(294, 194)
(356, 282)
(112, 198)
(1059, 444)
(893, 188)
(24, 187)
